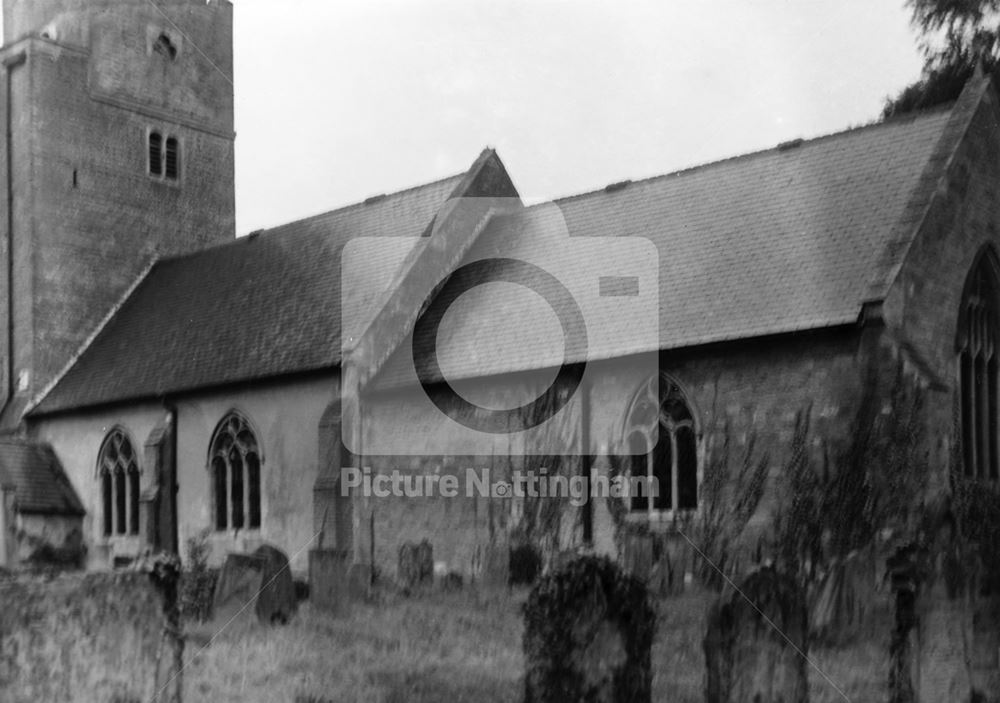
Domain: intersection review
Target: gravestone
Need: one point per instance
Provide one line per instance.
(259, 584)
(416, 564)
(588, 635)
(756, 643)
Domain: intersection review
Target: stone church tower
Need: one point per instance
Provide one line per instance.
(117, 148)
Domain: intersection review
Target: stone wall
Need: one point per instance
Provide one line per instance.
(754, 387)
(286, 416)
(92, 637)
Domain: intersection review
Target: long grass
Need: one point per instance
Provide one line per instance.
(460, 647)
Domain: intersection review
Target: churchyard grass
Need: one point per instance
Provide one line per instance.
(456, 647)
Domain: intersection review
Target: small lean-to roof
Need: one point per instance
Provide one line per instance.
(260, 306)
(39, 483)
(783, 240)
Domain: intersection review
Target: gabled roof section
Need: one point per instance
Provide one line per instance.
(898, 244)
(39, 482)
(793, 238)
(264, 305)
(485, 190)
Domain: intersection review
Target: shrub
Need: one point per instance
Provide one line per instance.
(197, 585)
(588, 635)
(525, 565)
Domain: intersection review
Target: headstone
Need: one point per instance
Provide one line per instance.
(416, 564)
(276, 602)
(452, 581)
(588, 636)
(757, 643)
(259, 584)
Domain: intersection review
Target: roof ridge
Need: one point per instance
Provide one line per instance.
(270, 231)
(370, 200)
(798, 142)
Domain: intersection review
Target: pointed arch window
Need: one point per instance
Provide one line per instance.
(118, 473)
(978, 370)
(662, 444)
(234, 461)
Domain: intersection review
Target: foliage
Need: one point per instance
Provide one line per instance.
(956, 36)
(50, 558)
(936, 86)
(761, 627)
(541, 518)
(872, 484)
(796, 525)
(564, 617)
(197, 583)
(732, 488)
(729, 497)
(525, 565)
(977, 511)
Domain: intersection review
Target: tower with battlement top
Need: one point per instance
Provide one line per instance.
(117, 148)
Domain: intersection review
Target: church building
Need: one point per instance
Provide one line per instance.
(163, 379)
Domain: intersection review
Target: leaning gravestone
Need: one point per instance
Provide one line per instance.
(588, 634)
(756, 643)
(259, 583)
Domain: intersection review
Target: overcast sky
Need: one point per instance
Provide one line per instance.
(337, 101)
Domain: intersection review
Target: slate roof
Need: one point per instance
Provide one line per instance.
(792, 238)
(263, 305)
(38, 479)
(778, 241)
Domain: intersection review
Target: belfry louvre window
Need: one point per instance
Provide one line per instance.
(234, 461)
(662, 444)
(118, 473)
(164, 157)
(172, 159)
(155, 154)
(978, 377)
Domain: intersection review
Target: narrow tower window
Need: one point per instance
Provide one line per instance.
(155, 154)
(164, 156)
(172, 158)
